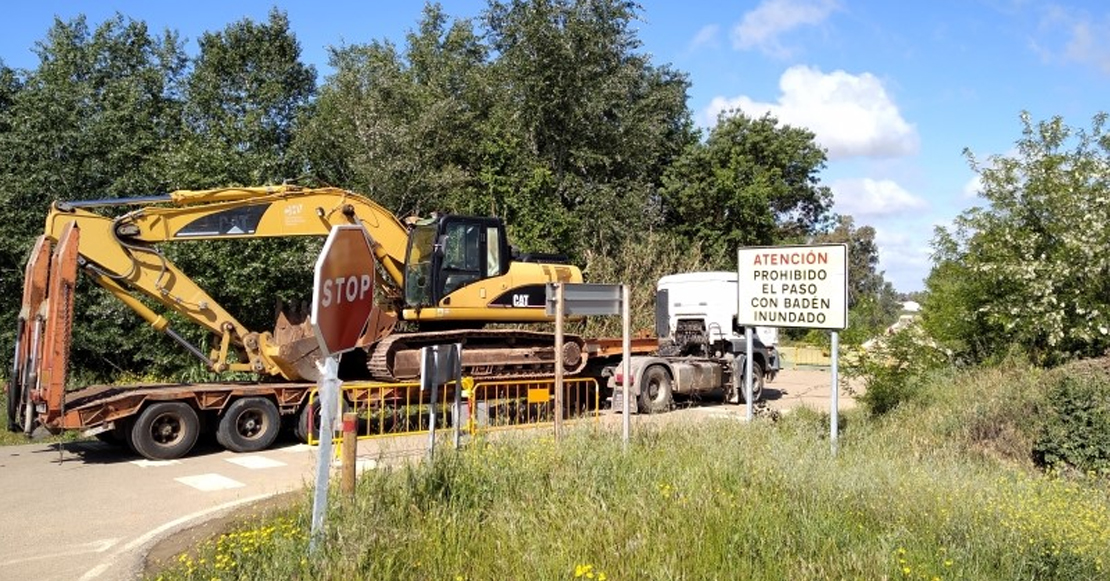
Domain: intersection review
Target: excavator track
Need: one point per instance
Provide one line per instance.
(486, 354)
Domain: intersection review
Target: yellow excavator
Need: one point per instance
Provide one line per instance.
(449, 274)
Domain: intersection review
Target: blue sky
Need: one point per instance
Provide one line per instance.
(894, 90)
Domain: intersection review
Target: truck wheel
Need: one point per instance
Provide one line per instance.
(249, 424)
(165, 430)
(757, 384)
(655, 391)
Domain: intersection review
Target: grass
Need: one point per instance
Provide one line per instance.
(933, 491)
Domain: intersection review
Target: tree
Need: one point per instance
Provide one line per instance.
(1030, 267)
(242, 100)
(752, 182)
(598, 123)
(541, 113)
(402, 126)
(90, 121)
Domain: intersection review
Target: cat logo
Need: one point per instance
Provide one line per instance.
(520, 300)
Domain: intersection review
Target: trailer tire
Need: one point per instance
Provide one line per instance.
(249, 424)
(310, 416)
(165, 430)
(655, 390)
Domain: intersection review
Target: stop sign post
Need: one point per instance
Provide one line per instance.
(342, 298)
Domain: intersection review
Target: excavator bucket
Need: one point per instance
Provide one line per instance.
(28, 329)
(57, 336)
(297, 344)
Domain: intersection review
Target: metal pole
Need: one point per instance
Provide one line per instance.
(457, 373)
(329, 380)
(834, 427)
(559, 309)
(626, 353)
(748, 372)
(427, 370)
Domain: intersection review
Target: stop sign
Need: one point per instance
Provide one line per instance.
(343, 289)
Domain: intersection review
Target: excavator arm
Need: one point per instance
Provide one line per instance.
(122, 254)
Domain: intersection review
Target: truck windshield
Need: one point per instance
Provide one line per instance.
(418, 266)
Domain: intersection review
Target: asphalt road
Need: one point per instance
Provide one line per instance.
(87, 510)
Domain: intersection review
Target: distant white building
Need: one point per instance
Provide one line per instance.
(911, 306)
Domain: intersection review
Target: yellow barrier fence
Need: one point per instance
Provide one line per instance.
(513, 404)
(795, 356)
(397, 409)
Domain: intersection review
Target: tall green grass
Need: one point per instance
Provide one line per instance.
(929, 491)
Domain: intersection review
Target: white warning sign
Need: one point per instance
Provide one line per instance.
(793, 286)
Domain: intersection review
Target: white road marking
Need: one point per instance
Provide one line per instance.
(154, 463)
(147, 537)
(298, 448)
(90, 547)
(210, 482)
(256, 462)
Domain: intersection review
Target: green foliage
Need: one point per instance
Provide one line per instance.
(541, 113)
(241, 102)
(91, 121)
(893, 369)
(751, 183)
(1030, 267)
(639, 262)
(1075, 433)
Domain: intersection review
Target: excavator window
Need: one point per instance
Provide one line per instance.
(462, 255)
(451, 252)
(418, 266)
(493, 251)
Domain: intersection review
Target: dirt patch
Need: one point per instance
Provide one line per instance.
(165, 552)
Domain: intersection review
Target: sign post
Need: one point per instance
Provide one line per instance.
(440, 364)
(586, 300)
(795, 286)
(342, 298)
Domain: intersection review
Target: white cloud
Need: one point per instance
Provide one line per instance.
(1067, 35)
(1085, 48)
(707, 36)
(851, 115)
(868, 197)
(905, 260)
(762, 28)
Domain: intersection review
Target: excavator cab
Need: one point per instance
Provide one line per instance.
(448, 253)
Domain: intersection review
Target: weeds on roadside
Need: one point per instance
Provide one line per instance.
(717, 500)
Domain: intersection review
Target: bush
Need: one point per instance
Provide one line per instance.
(1076, 421)
(892, 368)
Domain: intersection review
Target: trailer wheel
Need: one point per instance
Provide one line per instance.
(165, 430)
(249, 424)
(655, 391)
(308, 420)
